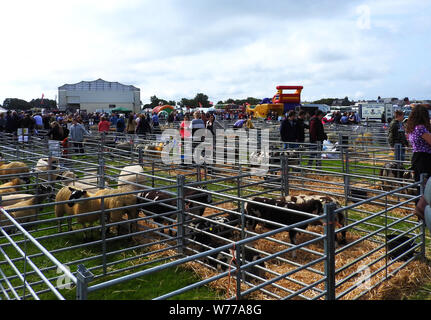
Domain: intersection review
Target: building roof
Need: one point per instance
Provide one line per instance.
(98, 84)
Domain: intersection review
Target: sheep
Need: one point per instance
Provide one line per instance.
(223, 260)
(10, 199)
(258, 159)
(121, 201)
(214, 227)
(402, 245)
(161, 208)
(154, 151)
(131, 174)
(27, 214)
(62, 209)
(126, 203)
(11, 186)
(42, 166)
(281, 216)
(409, 177)
(340, 218)
(78, 208)
(14, 167)
(393, 170)
(69, 179)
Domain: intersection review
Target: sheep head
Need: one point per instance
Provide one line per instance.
(76, 194)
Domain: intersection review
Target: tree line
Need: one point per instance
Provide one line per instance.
(200, 100)
(20, 104)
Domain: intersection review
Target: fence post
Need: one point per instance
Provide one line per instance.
(397, 153)
(422, 189)
(49, 167)
(329, 246)
(83, 277)
(238, 272)
(181, 213)
(346, 177)
(284, 175)
(103, 232)
(140, 156)
(101, 173)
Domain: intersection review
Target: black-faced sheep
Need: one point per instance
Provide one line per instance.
(280, 215)
(162, 208)
(124, 203)
(340, 218)
(214, 227)
(81, 207)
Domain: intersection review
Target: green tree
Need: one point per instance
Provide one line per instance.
(202, 100)
(16, 104)
(45, 103)
(156, 101)
(327, 101)
(346, 102)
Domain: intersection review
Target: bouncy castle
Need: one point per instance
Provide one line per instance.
(281, 103)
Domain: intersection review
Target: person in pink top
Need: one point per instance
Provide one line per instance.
(103, 125)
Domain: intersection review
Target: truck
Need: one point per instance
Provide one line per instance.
(374, 111)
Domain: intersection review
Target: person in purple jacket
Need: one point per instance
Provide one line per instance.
(418, 128)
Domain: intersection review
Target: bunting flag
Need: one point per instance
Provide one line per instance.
(211, 103)
(200, 104)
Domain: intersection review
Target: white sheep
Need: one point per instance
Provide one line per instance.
(69, 179)
(134, 174)
(42, 166)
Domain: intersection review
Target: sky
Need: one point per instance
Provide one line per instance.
(225, 49)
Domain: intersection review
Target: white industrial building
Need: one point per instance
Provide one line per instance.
(98, 95)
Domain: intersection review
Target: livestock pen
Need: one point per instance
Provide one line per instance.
(216, 254)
